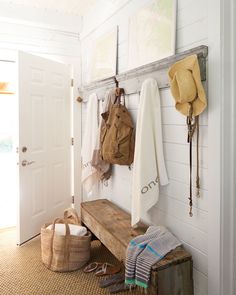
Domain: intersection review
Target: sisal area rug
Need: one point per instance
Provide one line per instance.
(22, 272)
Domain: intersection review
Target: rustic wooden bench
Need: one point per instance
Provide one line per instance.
(111, 225)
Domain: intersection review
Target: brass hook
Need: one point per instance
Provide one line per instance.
(79, 99)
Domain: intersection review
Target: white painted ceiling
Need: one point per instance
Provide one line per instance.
(71, 7)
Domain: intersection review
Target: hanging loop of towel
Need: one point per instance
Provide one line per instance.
(193, 125)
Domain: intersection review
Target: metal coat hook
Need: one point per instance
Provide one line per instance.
(79, 99)
(116, 82)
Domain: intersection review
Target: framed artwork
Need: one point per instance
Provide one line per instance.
(152, 33)
(102, 57)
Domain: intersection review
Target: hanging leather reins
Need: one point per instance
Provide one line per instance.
(193, 124)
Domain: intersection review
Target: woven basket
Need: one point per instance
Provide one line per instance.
(64, 253)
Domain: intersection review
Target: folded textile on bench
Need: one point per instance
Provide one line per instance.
(146, 250)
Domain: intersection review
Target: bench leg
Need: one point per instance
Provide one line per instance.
(174, 280)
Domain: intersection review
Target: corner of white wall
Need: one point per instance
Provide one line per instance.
(214, 152)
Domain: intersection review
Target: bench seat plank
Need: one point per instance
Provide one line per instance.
(111, 225)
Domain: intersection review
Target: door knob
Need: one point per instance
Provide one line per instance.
(26, 163)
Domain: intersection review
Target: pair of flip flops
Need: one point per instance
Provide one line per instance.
(102, 269)
(116, 283)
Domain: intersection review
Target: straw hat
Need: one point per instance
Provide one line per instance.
(186, 86)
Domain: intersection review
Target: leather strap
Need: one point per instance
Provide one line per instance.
(119, 92)
(190, 135)
(193, 124)
(197, 173)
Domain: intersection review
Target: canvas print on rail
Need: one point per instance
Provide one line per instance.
(152, 31)
(102, 57)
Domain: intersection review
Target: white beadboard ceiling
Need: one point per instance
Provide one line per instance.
(63, 15)
(71, 7)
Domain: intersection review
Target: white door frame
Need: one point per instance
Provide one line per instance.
(222, 144)
(228, 145)
(8, 54)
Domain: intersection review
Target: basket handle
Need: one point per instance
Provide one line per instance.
(66, 241)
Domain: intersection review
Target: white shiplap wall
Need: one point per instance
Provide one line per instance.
(172, 208)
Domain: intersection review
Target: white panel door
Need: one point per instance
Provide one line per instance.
(44, 143)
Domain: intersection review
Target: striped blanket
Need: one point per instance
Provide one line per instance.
(144, 251)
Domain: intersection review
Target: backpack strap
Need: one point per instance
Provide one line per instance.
(119, 92)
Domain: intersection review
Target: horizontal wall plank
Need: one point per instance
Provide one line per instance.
(180, 191)
(171, 116)
(200, 42)
(166, 98)
(192, 33)
(160, 217)
(180, 153)
(180, 211)
(180, 172)
(132, 101)
(191, 14)
(184, 231)
(178, 134)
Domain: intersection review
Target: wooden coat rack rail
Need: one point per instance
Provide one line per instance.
(132, 80)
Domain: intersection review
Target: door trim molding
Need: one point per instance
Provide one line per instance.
(228, 146)
(214, 145)
(222, 144)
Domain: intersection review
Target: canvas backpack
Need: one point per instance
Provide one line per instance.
(117, 135)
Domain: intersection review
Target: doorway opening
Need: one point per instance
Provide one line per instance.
(9, 189)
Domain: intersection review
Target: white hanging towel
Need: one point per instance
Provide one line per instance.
(149, 167)
(89, 174)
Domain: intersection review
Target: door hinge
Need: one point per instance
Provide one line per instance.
(72, 199)
(72, 82)
(72, 140)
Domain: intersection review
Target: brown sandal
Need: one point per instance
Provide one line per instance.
(107, 269)
(92, 266)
